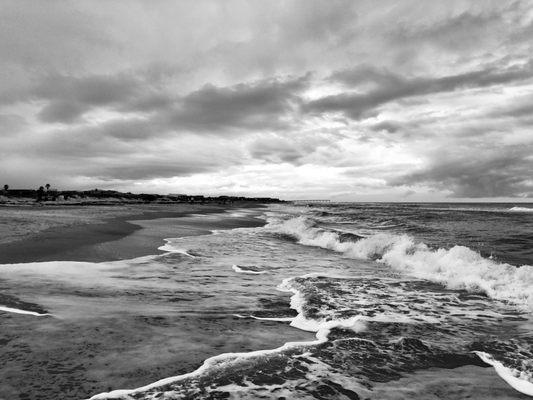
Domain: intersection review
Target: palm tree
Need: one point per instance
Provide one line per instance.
(47, 186)
(40, 194)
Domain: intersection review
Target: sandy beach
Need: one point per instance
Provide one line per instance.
(79, 233)
(106, 328)
(276, 200)
(105, 299)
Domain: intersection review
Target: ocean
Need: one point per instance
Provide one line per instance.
(329, 301)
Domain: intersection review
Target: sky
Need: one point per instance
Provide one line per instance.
(341, 100)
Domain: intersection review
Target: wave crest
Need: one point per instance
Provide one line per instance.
(521, 209)
(456, 268)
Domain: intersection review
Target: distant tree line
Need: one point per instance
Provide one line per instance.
(46, 193)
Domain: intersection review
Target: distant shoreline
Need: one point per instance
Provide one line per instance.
(29, 197)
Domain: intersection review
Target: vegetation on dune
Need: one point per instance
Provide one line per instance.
(98, 196)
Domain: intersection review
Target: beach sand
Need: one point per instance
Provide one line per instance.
(468, 382)
(77, 233)
(19, 222)
(100, 338)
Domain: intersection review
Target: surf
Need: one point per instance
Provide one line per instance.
(458, 267)
(322, 329)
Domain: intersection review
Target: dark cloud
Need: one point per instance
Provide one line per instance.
(478, 173)
(296, 149)
(134, 170)
(69, 97)
(520, 107)
(391, 87)
(276, 153)
(81, 146)
(264, 104)
(278, 149)
(128, 93)
(97, 154)
(388, 126)
(63, 111)
(258, 105)
(66, 98)
(96, 90)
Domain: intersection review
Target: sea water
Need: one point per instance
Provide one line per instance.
(365, 295)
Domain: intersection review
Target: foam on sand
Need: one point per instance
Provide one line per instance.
(169, 248)
(322, 329)
(241, 270)
(456, 268)
(274, 319)
(514, 378)
(24, 312)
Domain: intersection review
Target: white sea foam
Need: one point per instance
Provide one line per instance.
(516, 379)
(521, 209)
(322, 329)
(240, 270)
(456, 268)
(239, 213)
(275, 319)
(25, 312)
(170, 248)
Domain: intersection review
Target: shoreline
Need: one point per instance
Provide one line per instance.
(84, 239)
(131, 336)
(114, 321)
(438, 376)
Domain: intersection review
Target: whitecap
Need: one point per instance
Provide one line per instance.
(521, 209)
(241, 270)
(456, 268)
(321, 328)
(513, 377)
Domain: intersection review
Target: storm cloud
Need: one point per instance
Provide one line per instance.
(253, 106)
(391, 87)
(338, 99)
(502, 173)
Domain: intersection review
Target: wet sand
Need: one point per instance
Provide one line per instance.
(78, 233)
(20, 222)
(107, 330)
(47, 358)
(110, 329)
(468, 382)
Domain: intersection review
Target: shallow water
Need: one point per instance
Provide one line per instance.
(373, 294)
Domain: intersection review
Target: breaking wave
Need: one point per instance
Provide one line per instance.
(217, 364)
(456, 268)
(521, 209)
(518, 380)
(246, 270)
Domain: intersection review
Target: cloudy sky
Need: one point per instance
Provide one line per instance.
(346, 100)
